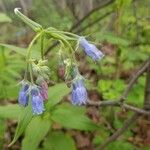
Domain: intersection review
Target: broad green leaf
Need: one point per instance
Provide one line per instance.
(56, 93)
(59, 141)
(16, 49)
(35, 132)
(9, 111)
(4, 18)
(72, 117)
(24, 120)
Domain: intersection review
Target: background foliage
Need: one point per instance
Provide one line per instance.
(121, 29)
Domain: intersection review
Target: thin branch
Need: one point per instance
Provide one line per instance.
(95, 21)
(133, 80)
(138, 111)
(120, 131)
(80, 30)
(103, 103)
(118, 104)
(90, 13)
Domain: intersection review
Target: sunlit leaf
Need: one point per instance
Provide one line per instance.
(72, 117)
(35, 132)
(56, 93)
(24, 120)
(59, 141)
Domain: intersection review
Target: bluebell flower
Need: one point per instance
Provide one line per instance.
(79, 93)
(90, 49)
(37, 101)
(23, 95)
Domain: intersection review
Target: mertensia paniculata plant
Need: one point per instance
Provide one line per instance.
(34, 87)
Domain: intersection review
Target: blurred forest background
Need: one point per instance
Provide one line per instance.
(121, 29)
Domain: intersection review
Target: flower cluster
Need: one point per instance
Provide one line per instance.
(34, 90)
(38, 95)
(79, 93)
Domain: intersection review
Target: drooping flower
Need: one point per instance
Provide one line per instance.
(90, 49)
(44, 90)
(23, 95)
(37, 101)
(79, 93)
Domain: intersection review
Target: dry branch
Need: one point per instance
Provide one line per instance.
(138, 111)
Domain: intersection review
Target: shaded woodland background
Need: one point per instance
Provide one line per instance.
(121, 29)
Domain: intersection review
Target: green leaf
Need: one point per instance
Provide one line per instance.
(73, 117)
(59, 141)
(56, 93)
(9, 111)
(111, 89)
(35, 132)
(16, 49)
(4, 18)
(24, 120)
(22, 51)
(104, 85)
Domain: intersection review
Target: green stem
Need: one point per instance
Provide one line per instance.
(29, 65)
(72, 34)
(31, 44)
(74, 38)
(31, 73)
(58, 35)
(26, 71)
(42, 46)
